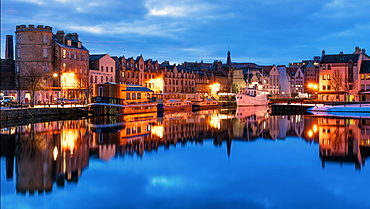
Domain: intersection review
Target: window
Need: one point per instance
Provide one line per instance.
(45, 52)
(134, 96)
(102, 68)
(46, 67)
(367, 87)
(328, 87)
(106, 69)
(367, 76)
(75, 55)
(64, 53)
(44, 39)
(323, 87)
(123, 74)
(362, 76)
(138, 95)
(19, 53)
(329, 67)
(100, 91)
(362, 87)
(127, 96)
(96, 79)
(111, 69)
(324, 77)
(328, 77)
(69, 42)
(101, 79)
(79, 44)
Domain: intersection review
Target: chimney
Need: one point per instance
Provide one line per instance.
(9, 50)
(323, 53)
(60, 37)
(340, 52)
(72, 36)
(363, 51)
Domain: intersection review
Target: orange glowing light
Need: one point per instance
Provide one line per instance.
(158, 131)
(215, 121)
(315, 128)
(68, 80)
(310, 133)
(69, 139)
(215, 87)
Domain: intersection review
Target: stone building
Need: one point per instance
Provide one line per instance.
(341, 78)
(49, 66)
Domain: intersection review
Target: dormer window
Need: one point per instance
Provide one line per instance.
(69, 42)
(79, 44)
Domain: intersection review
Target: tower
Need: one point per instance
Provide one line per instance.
(9, 50)
(34, 49)
(228, 62)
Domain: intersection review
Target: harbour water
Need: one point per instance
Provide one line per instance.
(243, 158)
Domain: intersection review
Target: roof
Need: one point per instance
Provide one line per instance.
(96, 56)
(365, 66)
(340, 58)
(266, 69)
(138, 88)
(245, 65)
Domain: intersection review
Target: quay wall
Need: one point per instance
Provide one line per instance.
(23, 116)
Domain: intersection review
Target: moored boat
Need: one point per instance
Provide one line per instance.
(251, 97)
(121, 99)
(200, 103)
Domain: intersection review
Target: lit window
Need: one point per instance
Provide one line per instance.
(64, 53)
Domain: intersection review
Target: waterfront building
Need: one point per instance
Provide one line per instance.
(140, 72)
(102, 68)
(271, 80)
(340, 77)
(49, 66)
(364, 93)
(285, 81)
(296, 79)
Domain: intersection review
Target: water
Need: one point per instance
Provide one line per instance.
(207, 159)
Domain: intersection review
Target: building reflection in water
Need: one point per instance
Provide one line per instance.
(57, 152)
(46, 153)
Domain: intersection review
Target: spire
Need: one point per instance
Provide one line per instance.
(228, 62)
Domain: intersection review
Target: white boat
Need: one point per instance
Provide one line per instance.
(351, 110)
(251, 97)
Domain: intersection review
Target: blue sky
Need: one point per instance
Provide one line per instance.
(261, 31)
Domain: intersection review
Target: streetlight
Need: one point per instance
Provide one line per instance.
(313, 87)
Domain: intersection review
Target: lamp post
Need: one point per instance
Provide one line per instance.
(313, 87)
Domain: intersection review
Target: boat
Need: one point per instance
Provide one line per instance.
(347, 111)
(120, 99)
(251, 97)
(200, 103)
(172, 102)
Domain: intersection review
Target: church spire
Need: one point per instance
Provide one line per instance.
(228, 62)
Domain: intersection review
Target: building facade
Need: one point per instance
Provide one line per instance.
(49, 66)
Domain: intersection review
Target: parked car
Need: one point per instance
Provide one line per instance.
(62, 101)
(8, 102)
(76, 101)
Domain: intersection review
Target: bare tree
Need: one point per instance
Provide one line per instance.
(337, 82)
(33, 81)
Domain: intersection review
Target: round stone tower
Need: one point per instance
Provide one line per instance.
(34, 49)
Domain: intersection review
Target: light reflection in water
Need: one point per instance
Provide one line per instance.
(59, 151)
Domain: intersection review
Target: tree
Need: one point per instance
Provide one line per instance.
(33, 81)
(337, 82)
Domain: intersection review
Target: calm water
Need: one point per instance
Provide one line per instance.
(207, 159)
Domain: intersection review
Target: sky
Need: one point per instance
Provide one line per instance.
(264, 32)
